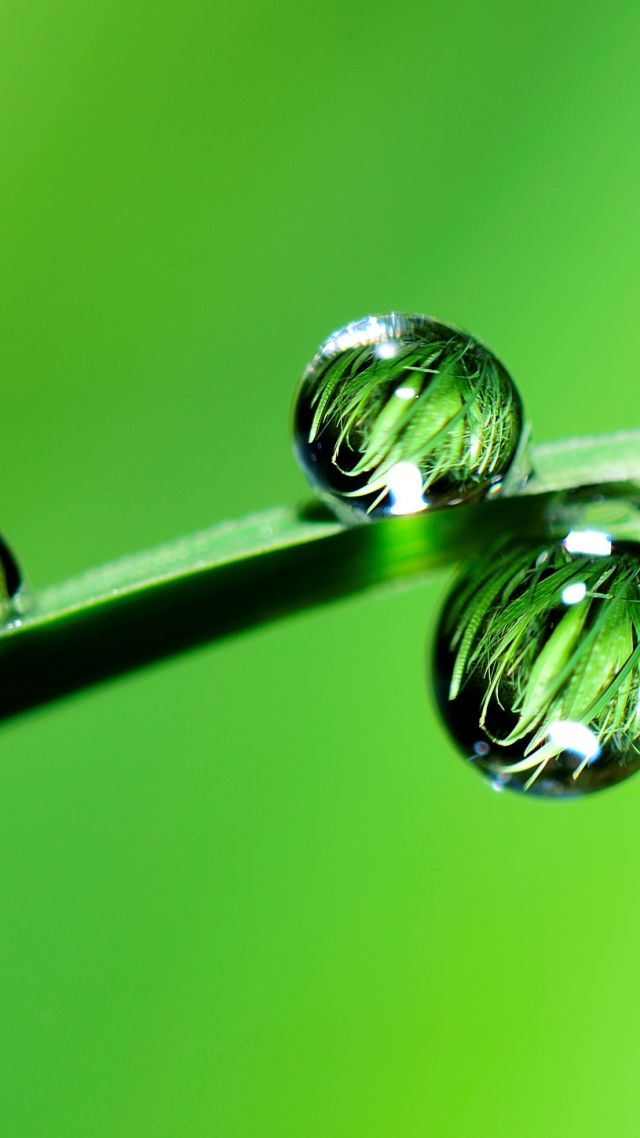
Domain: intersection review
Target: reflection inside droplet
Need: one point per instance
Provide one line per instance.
(577, 739)
(590, 541)
(402, 388)
(573, 594)
(13, 599)
(537, 667)
(404, 482)
(386, 350)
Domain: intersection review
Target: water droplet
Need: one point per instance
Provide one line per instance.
(537, 667)
(13, 597)
(398, 414)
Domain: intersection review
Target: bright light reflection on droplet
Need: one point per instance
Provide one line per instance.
(575, 737)
(404, 392)
(575, 593)
(404, 481)
(588, 541)
(356, 335)
(474, 446)
(386, 351)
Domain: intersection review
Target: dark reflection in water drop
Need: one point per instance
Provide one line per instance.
(12, 588)
(537, 665)
(398, 414)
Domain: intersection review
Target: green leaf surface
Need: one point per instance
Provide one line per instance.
(243, 573)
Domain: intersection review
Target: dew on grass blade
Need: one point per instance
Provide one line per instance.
(398, 414)
(537, 666)
(12, 593)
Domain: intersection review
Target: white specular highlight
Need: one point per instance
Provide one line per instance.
(404, 482)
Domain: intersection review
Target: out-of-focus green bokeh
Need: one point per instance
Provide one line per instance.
(254, 891)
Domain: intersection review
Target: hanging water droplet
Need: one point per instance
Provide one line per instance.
(398, 414)
(12, 594)
(537, 666)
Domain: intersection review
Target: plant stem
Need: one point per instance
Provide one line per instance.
(244, 573)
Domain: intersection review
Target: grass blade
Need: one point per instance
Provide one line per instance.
(244, 573)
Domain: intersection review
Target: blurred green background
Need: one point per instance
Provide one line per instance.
(254, 891)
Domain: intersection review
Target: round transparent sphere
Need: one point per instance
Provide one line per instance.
(398, 414)
(537, 665)
(12, 592)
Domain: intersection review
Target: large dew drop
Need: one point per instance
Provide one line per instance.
(537, 665)
(399, 414)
